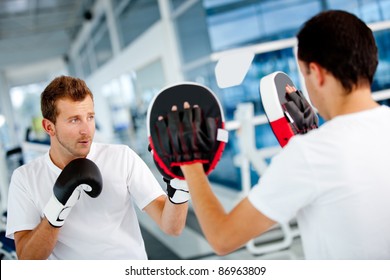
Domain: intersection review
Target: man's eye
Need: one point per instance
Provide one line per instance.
(73, 120)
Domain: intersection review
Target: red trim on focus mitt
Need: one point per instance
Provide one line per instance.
(175, 140)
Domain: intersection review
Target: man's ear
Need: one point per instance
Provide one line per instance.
(319, 73)
(49, 127)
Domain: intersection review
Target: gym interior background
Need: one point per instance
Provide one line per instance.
(128, 50)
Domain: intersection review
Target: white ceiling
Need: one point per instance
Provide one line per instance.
(32, 31)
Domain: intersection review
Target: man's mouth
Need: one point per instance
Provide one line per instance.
(85, 141)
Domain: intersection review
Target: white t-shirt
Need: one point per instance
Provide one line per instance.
(105, 227)
(336, 181)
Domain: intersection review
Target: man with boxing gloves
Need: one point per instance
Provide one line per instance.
(332, 179)
(78, 200)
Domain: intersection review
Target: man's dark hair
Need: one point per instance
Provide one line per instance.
(63, 87)
(342, 44)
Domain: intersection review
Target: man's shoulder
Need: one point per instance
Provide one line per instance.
(112, 154)
(384, 109)
(34, 165)
(117, 149)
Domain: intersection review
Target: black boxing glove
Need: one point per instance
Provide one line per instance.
(80, 174)
(303, 116)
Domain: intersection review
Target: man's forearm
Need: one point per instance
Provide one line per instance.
(208, 209)
(174, 217)
(225, 232)
(38, 243)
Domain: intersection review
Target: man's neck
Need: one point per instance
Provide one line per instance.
(358, 100)
(60, 157)
(57, 160)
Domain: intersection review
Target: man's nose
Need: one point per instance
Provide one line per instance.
(84, 129)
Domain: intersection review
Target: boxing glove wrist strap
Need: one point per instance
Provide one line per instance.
(55, 212)
(177, 195)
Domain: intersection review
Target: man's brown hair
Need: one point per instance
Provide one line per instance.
(63, 87)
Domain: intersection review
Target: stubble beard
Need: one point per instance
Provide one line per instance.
(72, 149)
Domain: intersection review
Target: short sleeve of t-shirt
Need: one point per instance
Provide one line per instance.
(287, 185)
(141, 182)
(22, 212)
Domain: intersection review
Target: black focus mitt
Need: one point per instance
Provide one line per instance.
(185, 135)
(288, 113)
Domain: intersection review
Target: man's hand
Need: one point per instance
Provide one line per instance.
(300, 113)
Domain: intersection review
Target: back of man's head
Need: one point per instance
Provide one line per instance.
(342, 44)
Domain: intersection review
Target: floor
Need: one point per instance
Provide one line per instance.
(192, 245)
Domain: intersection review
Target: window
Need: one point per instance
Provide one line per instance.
(85, 61)
(135, 18)
(192, 33)
(101, 42)
(249, 22)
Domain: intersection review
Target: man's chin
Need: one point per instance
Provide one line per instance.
(83, 151)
